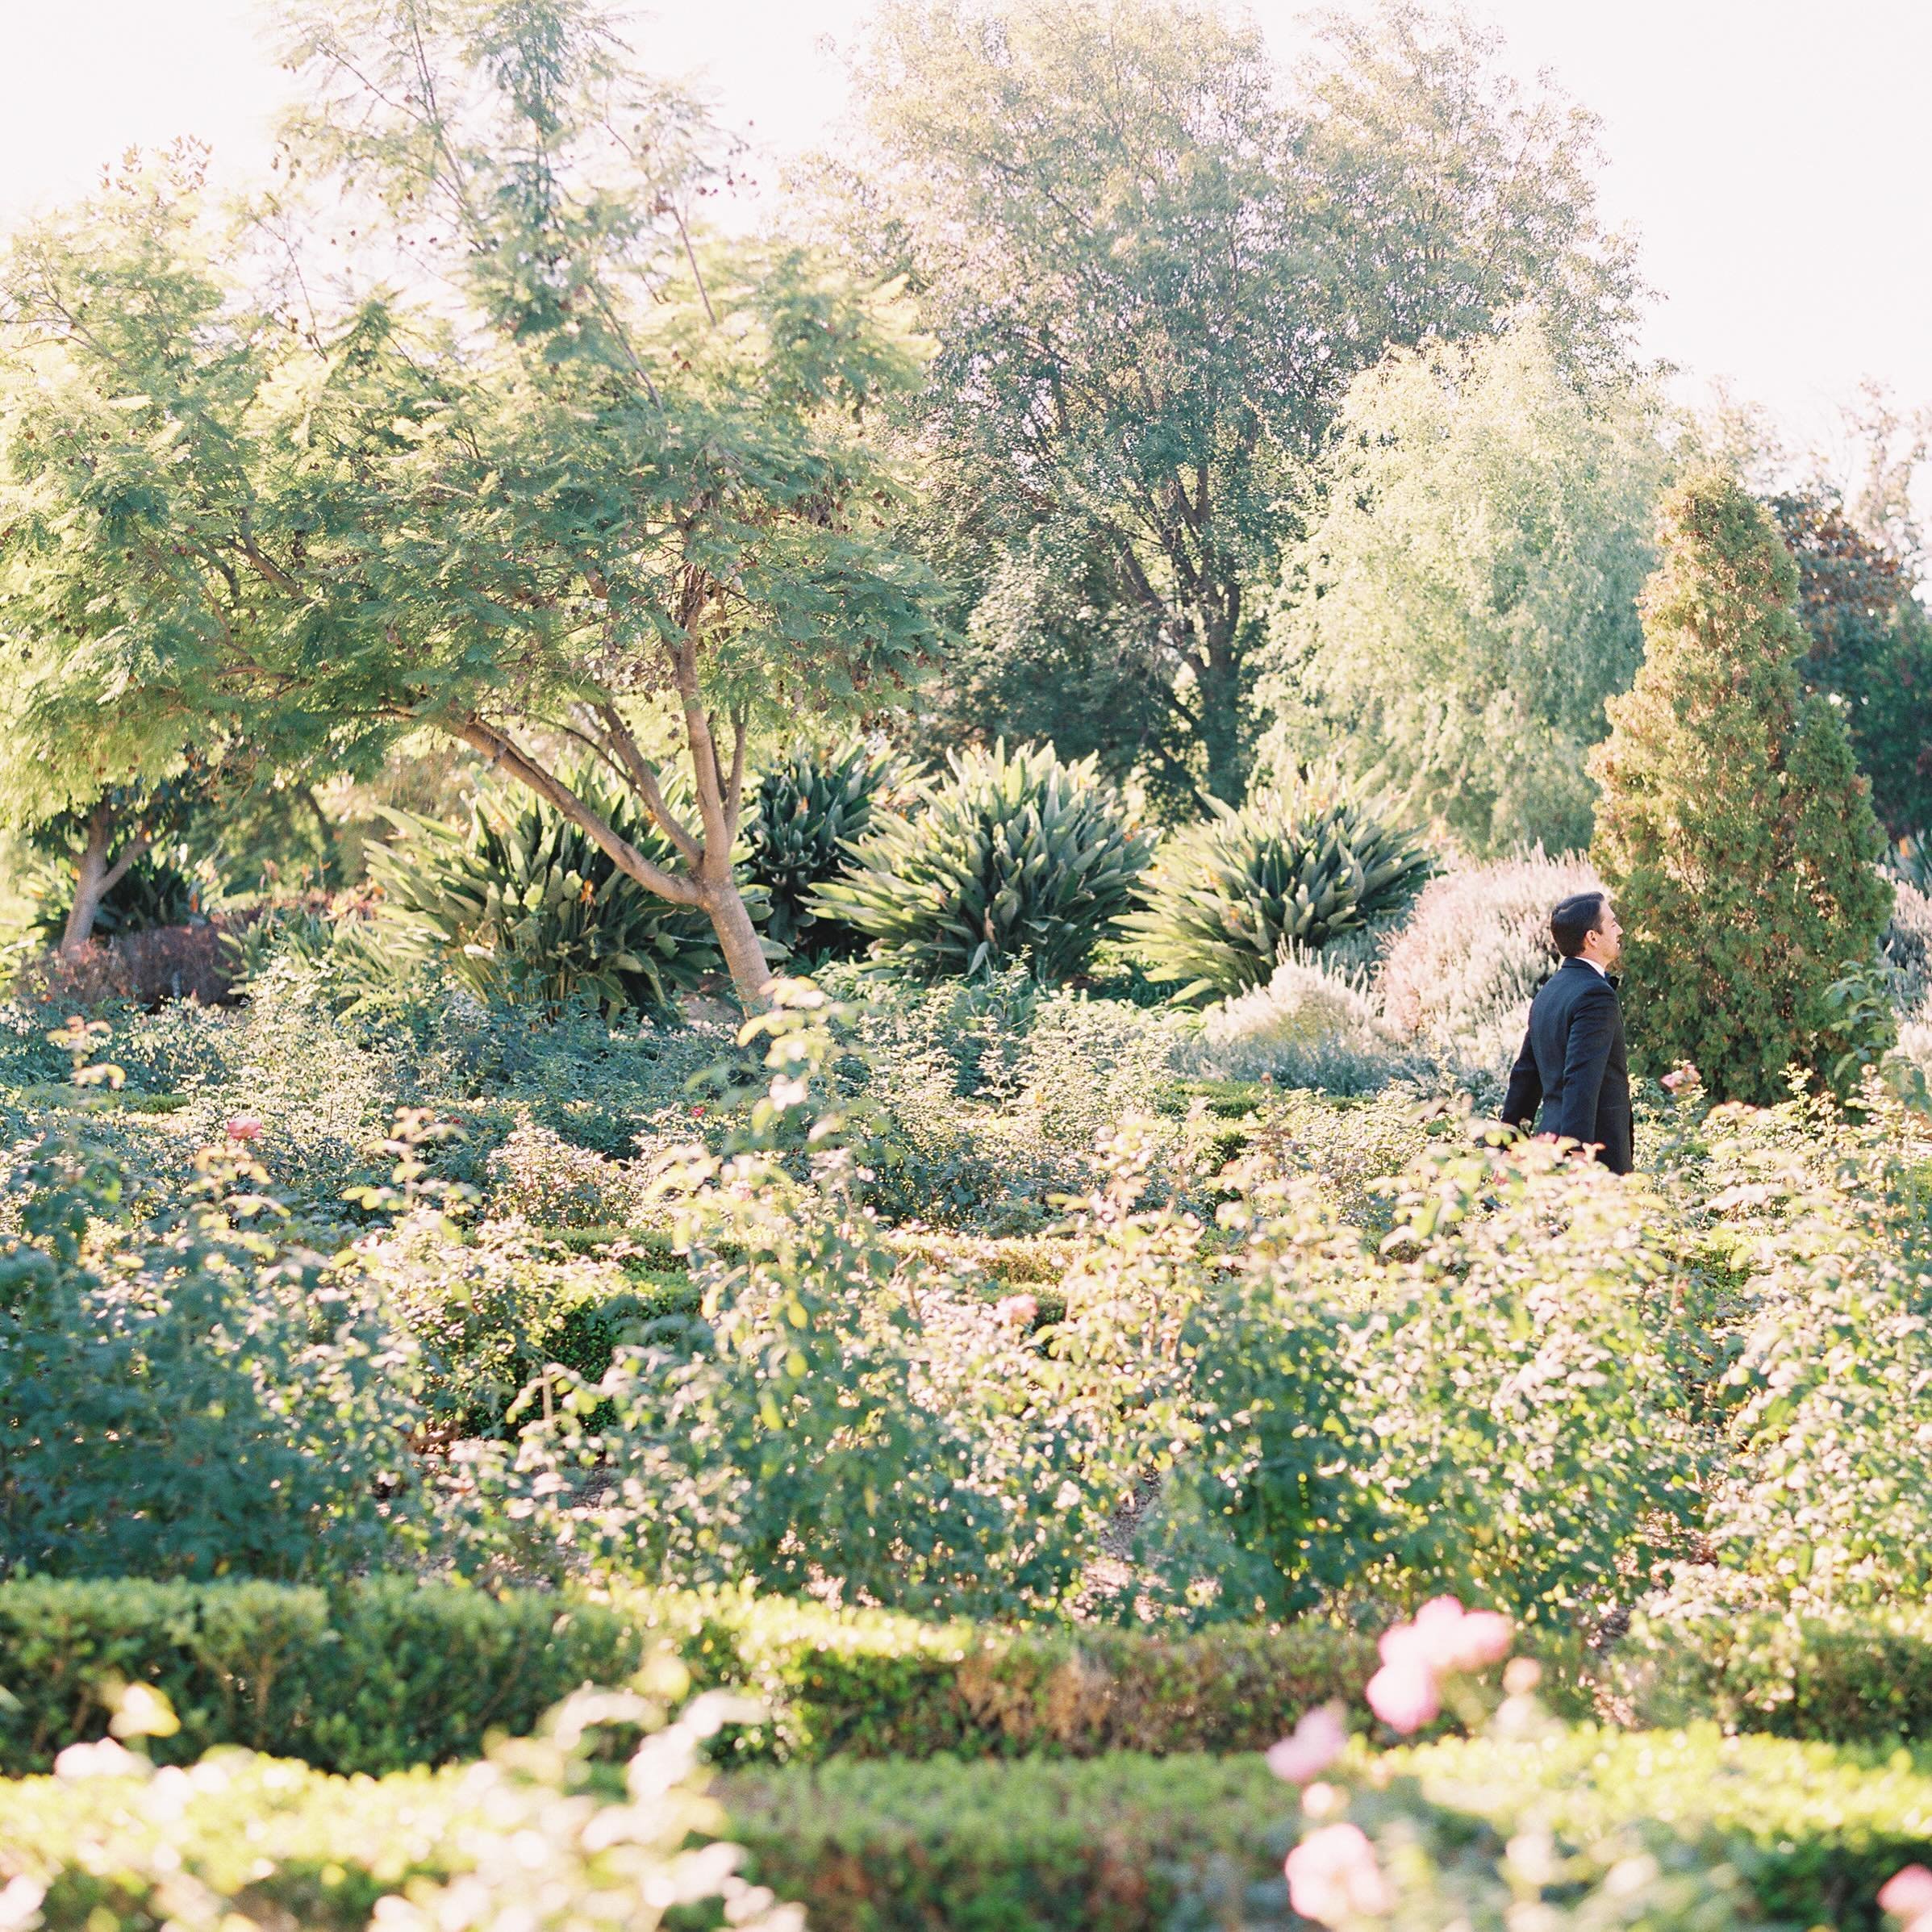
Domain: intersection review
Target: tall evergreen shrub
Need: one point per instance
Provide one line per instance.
(1735, 831)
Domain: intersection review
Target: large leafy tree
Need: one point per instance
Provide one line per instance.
(1466, 598)
(1734, 829)
(493, 443)
(1150, 274)
(1871, 645)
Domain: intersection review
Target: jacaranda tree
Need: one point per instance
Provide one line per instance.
(491, 440)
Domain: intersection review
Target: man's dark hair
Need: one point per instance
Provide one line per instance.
(1574, 919)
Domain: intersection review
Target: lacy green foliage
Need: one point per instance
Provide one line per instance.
(1825, 1495)
(1295, 867)
(1012, 858)
(807, 810)
(194, 1400)
(523, 906)
(488, 1315)
(1734, 829)
(1308, 1027)
(541, 1835)
(1465, 597)
(1492, 1397)
(1457, 975)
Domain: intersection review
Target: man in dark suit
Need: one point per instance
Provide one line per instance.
(1572, 1061)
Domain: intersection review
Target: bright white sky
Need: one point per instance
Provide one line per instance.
(1771, 155)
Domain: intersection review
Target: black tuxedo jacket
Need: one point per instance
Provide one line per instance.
(1573, 1063)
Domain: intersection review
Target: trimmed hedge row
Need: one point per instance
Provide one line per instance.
(386, 1675)
(1122, 1843)
(389, 1672)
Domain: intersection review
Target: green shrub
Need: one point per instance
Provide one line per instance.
(489, 1317)
(1734, 830)
(544, 1831)
(1306, 1027)
(1699, 1829)
(1301, 867)
(1494, 1397)
(524, 906)
(382, 1673)
(196, 1402)
(376, 1675)
(1711, 1647)
(808, 809)
(1012, 857)
(1461, 969)
(836, 1415)
(1690, 1830)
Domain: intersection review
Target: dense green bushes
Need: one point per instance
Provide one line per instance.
(382, 1674)
(1688, 1830)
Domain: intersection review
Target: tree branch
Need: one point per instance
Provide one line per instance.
(496, 746)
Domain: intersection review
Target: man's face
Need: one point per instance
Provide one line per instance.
(1605, 945)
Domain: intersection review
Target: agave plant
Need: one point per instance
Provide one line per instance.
(808, 809)
(526, 907)
(1231, 897)
(1015, 857)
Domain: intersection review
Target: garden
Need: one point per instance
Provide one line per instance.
(760, 989)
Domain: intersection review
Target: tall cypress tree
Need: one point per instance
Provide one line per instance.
(1734, 830)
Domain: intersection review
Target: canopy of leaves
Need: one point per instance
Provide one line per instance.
(1151, 272)
(1466, 597)
(1872, 644)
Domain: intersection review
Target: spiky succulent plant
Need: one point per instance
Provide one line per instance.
(527, 908)
(1230, 897)
(808, 808)
(1013, 856)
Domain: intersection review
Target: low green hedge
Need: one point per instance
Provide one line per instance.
(385, 1675)
(388, 1672)
(1122, 1843)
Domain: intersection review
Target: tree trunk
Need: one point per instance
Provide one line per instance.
(739, 938)
(91, 882)
(1223, 735)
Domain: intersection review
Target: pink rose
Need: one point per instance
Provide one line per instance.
(1315, 1743)
(1017, 1311)
(1445, 1637)
(243, 1127)
(1682, 1074)
(1404, 1695)
(1482, 1638)
(1907, 1895)
(1334, 1877)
